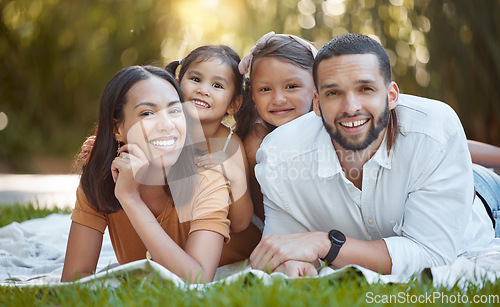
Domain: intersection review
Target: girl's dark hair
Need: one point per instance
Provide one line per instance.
(283, 48)
(247, 115)
(96, 180)
(211, 52)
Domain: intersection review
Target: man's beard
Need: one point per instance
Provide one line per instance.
(373, 132)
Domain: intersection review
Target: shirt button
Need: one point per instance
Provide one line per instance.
(370, 221)
(352, 190)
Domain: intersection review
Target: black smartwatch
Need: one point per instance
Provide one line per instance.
(338, 239)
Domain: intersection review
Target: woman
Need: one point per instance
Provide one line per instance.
(133, 177)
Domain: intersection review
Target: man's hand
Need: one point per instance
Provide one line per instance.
(295, 268)
(274, 250)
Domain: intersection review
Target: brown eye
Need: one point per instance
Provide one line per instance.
(146, 113)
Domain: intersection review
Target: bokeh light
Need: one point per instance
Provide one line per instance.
(58, 55)
(3, 120)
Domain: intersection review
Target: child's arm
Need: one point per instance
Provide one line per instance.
(233, 165)
(485, 154)
(87, 148)
(82, 252)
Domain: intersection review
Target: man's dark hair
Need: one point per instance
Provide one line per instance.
(354, 44)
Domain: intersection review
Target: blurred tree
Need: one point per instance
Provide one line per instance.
(465, 63)
(446, 50)
(56, 56)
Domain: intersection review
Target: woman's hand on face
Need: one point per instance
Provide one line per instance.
(124, 169)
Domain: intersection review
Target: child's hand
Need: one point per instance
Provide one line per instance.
(124, 170)
(212, 159)
(230, 167)
(293, 268)
(87, 148)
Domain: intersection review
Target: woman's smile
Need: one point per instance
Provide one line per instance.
(166, 144)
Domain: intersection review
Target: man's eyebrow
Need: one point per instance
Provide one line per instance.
(364, 81)
(360, 81)
(329, 85)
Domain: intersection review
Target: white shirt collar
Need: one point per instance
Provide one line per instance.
(381, 156)
(328, 162)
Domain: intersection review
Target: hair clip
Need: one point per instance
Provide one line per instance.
(246, 62)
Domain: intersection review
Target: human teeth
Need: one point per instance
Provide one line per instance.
(163, 143)
(354, 123)
(201, 103)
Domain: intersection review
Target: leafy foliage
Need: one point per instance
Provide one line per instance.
(57, 56)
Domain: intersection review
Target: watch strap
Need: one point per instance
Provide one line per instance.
(333, 252)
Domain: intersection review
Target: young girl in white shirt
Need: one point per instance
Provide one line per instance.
(281, 89)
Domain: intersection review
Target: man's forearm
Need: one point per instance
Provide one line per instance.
(372, 255)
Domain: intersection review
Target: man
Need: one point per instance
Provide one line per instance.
(372, 177)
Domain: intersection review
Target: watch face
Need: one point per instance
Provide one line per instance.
(337, 237)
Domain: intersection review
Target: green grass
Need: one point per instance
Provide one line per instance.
(18, 213)
(346, 289)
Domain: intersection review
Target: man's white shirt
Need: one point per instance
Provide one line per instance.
(418, 197)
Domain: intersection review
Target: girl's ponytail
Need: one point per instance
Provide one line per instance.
(172, 67)
(247, 115)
